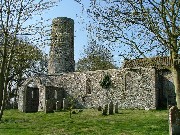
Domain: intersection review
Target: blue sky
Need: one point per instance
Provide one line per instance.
(71, 9)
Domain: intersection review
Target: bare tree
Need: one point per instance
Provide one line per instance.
(142, 28)
(16, 19)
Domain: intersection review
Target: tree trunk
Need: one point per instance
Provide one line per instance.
(2, 108)
(174, 111)
(3, 101)
(3, 89)
(176, 77)
(1, 95)
(1, 92)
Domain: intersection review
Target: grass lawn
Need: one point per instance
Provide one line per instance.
(88, 122)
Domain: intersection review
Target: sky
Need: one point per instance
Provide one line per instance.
(75, 11)
(71, 9)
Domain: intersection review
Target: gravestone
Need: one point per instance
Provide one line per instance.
(174, 121)
(58, 105)
(105, 109)
(116, 107)
(65, 104)
(111, 108)
(49, 106)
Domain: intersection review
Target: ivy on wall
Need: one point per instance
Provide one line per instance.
(106, 82)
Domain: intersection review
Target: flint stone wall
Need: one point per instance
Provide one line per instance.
(135, 88)
(132, 88)
(25, 99)
(42, 97)
(62, 46)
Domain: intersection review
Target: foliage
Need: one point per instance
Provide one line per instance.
(38, 66)
(136, 122)
(14, 15)
(71, 102)
(22, 60)
(24, 65)
(106, 82)
(96, 57)
(140, 28)
(92, 63)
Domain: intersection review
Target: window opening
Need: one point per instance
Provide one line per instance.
(88, 86)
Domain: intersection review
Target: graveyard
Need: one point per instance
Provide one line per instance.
(89, 121)
(135, 90)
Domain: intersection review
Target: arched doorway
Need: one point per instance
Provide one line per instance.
(31, 98)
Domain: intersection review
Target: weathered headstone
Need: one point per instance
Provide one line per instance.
(174, 121)
(58, 105)
(65, 104)
(116, 107)
(111, 108)
(49, 106)
(105, 109)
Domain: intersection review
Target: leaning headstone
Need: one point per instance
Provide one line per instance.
(174, 121)
(105, 110)
(116, 107)
(111, 108)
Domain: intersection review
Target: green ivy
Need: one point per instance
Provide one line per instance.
(106, 83)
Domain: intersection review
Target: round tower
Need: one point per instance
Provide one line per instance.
(62, 46)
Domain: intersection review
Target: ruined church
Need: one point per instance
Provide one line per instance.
(134, 86)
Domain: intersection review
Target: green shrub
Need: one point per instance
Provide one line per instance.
(106, 82)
